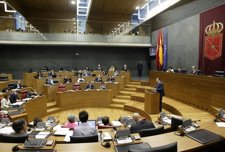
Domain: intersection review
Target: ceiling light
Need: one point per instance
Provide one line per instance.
(73, 2)
(137, 7)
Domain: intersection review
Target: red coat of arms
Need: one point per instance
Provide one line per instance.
(213, 41)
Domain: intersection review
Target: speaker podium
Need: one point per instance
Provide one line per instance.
(151, 104)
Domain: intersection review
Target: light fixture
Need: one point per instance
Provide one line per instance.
(137, 7)
(73, 2)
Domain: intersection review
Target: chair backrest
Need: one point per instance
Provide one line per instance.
(62, 88)
(24, 94)
(175, 122)
(76, 86)
(84, 139)
(105, 127)
(166, 148)
(9, 138)
(151, 131)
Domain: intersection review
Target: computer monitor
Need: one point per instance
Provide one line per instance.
(12, 85)
(187, 123)
(91, 123)
(124, 133)
(219, 74)
(175, 122)
(199, 72)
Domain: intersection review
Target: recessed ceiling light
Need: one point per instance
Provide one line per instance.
(137, 7)
(73, 2)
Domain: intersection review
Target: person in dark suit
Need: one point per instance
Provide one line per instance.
(160, 89)
(20, 127)
(13, 97)
(125, 67)
(52, 74)
(141, 123)
(139, 68)
(111, 79)
(90, 86)
(99, 68)
(98, 79)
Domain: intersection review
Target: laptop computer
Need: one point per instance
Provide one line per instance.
(35, 143)
(125, 148)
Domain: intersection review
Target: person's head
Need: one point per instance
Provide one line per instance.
(83, 116)
(36, 120)
(125, 65)
(157, 79)
(193, 67)
(71, 118)
(105, 120)
(136, 117)
(19, 81)
(6, 96)
(19, 125)
(99, 65)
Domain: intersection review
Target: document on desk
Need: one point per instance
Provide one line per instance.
(106, 136)
(62, 131)
(166, 120)
(42, 135)
(189, 129)
(220, 124)
(6, 130)
(124, 140)
(67, 137)
(19, 103)
(117, 123)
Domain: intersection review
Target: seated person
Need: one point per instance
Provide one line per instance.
(84, 129)
(111, 79)
(39, 75)
(20, 127)
(125, 67)
(49, 81)
(31, 93)
(123, 119)
(89, 86)
(87, 68)
(80, 79)
(116, 73)
(13, 97)
(71, 122)
(67, 80)
(194, 70)
(102, 86)
(86, 73)
(52, 74)
(19, 85)
(5, 102)
(170, 70)
(98, 79)
(99, 68)
(112, 68)
(141, 123)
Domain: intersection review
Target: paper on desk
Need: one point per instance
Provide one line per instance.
(57, 127)
(106, 136)
(19, 103)
(42, 135)
(189, 129)
(67, 137)
(124, 141)
(117, 123)
(6, 130)
(62, 131)
(220, 124)
(166, 120)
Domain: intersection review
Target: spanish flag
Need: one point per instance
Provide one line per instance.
(160, 52)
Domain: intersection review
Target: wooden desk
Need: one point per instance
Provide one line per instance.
(151, 105)
(36, 108)
(28, 79)
(4, 84)
(81, 99)
(39, 84)
(185, 144)
(126, 74)
(197, 90)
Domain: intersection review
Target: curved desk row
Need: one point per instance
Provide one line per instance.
(185, 144)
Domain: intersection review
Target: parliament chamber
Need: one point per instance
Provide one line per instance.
(131, 98)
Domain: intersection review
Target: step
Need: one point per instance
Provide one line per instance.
(51, 104)
(130, 89)
(126, 93)
(117, 106)
(135, 83)
(120, 101)
(53, 110)
(123, 97)
(132, 86)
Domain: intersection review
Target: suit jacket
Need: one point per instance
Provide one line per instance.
(90, 86)
(142, 124)
(13, 98)
(160, 88)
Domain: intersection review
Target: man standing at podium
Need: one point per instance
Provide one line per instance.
(160, 89)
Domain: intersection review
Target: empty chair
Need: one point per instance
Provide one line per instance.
(62, 88)
(76, 86)
(8, 138)
(84, 139)
(166, 148)
(175, 122)
(151, 131)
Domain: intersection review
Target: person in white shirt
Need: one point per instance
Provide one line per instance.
(5, 102)
(80, 79)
